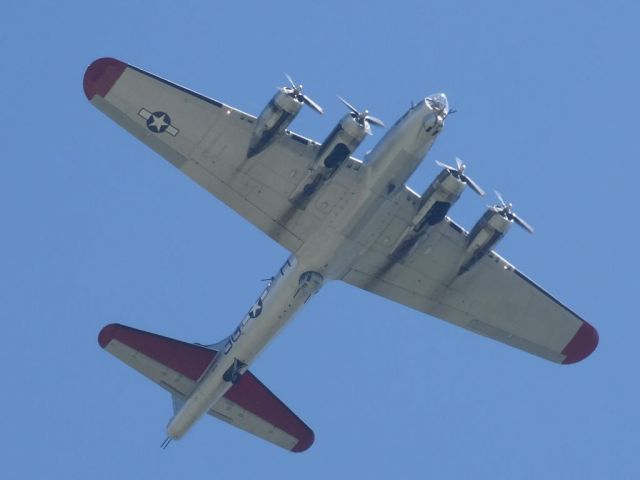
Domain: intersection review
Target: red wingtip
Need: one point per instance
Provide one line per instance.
(107, 334)
(583, 343)
(101, 75)
(304, 443)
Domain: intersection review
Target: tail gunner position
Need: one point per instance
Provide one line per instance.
(341, 219)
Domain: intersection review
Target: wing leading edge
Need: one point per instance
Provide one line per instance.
(177, 366)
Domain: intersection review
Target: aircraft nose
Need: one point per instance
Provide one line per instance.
(439, 103)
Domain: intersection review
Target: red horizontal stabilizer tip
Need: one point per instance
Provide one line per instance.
(185, 358)
(583, 343)
(107, 334)
(305, 442)
(101, 75)
(251, 394)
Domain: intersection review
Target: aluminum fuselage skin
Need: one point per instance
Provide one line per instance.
(327, 255)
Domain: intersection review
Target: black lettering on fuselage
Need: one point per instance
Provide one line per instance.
(254, 312)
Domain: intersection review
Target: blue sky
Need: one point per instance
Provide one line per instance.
(99, 229)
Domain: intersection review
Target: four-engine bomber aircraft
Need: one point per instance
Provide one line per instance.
(341, 219)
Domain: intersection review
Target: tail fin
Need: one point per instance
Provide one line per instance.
(177, 367)
(177, 402)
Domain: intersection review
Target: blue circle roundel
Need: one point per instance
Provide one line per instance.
(158, 122)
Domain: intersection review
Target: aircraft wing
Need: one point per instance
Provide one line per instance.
(208, 141)
(493, 298)
(177, 366)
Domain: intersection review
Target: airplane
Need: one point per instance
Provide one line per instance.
(341, 219)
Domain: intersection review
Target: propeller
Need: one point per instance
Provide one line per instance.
(295, 91)
(362, 118)
(506, 210)
(460, 175)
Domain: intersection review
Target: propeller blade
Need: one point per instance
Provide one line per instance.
(504, 204)
(349, 106)
(473, 185)
(457, 172)
(507, 212)
(312, 104)
(445, 166)
(363, 118)
(522, 223)
(374, 121)
(293, 84)
(301, 97)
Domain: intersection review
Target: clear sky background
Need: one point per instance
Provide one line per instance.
(96, 228)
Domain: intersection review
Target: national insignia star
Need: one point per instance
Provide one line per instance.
(256, 309)
(158, 123)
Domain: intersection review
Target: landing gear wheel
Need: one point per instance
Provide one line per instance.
(234, 372)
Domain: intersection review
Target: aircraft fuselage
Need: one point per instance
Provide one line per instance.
(327, 255)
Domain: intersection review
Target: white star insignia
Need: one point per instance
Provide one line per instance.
(256, 309)
(158, 122)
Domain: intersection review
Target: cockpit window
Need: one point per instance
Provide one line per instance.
(439, 100)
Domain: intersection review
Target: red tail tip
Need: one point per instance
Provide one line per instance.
(107, 334)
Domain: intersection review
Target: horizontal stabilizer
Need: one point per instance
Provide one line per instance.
(184, 359)
(177, 366)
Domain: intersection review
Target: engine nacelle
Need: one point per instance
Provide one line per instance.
(343, 140)
(437, 199)
(276, 116)
(483, 237)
